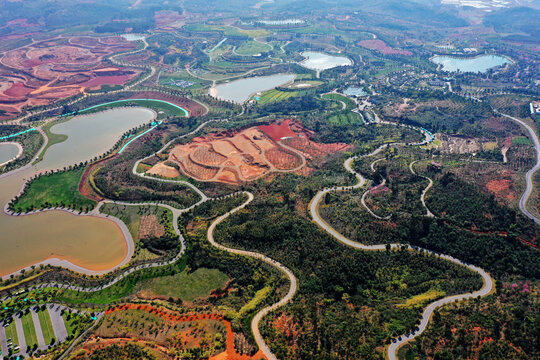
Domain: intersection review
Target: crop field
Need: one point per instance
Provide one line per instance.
(51, 190)
(274, 95)
(186, 286)
(252, 48)
(346, 118)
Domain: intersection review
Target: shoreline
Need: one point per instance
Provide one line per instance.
(19, 148)
(67, 261)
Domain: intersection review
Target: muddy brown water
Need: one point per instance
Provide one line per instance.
(90, 242)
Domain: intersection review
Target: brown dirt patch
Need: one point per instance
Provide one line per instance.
(160, 169)
(149, 226)
(382, 47)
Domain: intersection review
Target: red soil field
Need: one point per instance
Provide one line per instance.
(277, 132)
(381, 46)
(57, 68)
(107, 80)
(229, 354)
(244, 155)
(312, 149)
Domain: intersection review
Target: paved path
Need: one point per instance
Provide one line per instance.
(3, 341)
(288, 297)
(20, 335)
(423, 196)
(488, 282)
(39, 332)
(530, 173)
(60, 331)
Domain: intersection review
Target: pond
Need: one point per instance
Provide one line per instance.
(133, 37)
(89, 242)
(9, 151)
(282, 22)
(241, 90)
(355, 91)
(321, 61)
(476, 64)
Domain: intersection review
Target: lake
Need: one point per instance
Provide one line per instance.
(8, 151)
(241, 90)
(90, 242)
(320, 61)
(476, 64)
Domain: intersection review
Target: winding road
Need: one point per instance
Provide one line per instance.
(531, 172)
(488, 283)
(176, 213)
(423, 196)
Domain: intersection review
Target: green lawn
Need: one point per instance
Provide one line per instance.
(11, 332)
(46, 326)
(337, 97)
(253, 48)
(29, 330)
(346, 118)
(185, 286)
(276, 95)
(521, 140)
(59, 189)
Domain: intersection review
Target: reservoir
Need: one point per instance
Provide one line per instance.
(8, 151)
(241, 90)
(477, 64)
(89, 242)
(320, 61)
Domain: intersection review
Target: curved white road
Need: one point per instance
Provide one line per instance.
(488, 283)
(424, 192)
(176, 213)
(530, 173)
(288, 297)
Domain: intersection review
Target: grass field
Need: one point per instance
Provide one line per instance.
(252, 48)
(227, 30)
(59, 189)
(117, 291)
(46, 326)
(29, 330)
(11, 332)
(346, 118)
(422, 298)
(187, 286)
(276, 95)
(53, 138)
(521, 140)
(337, 97)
